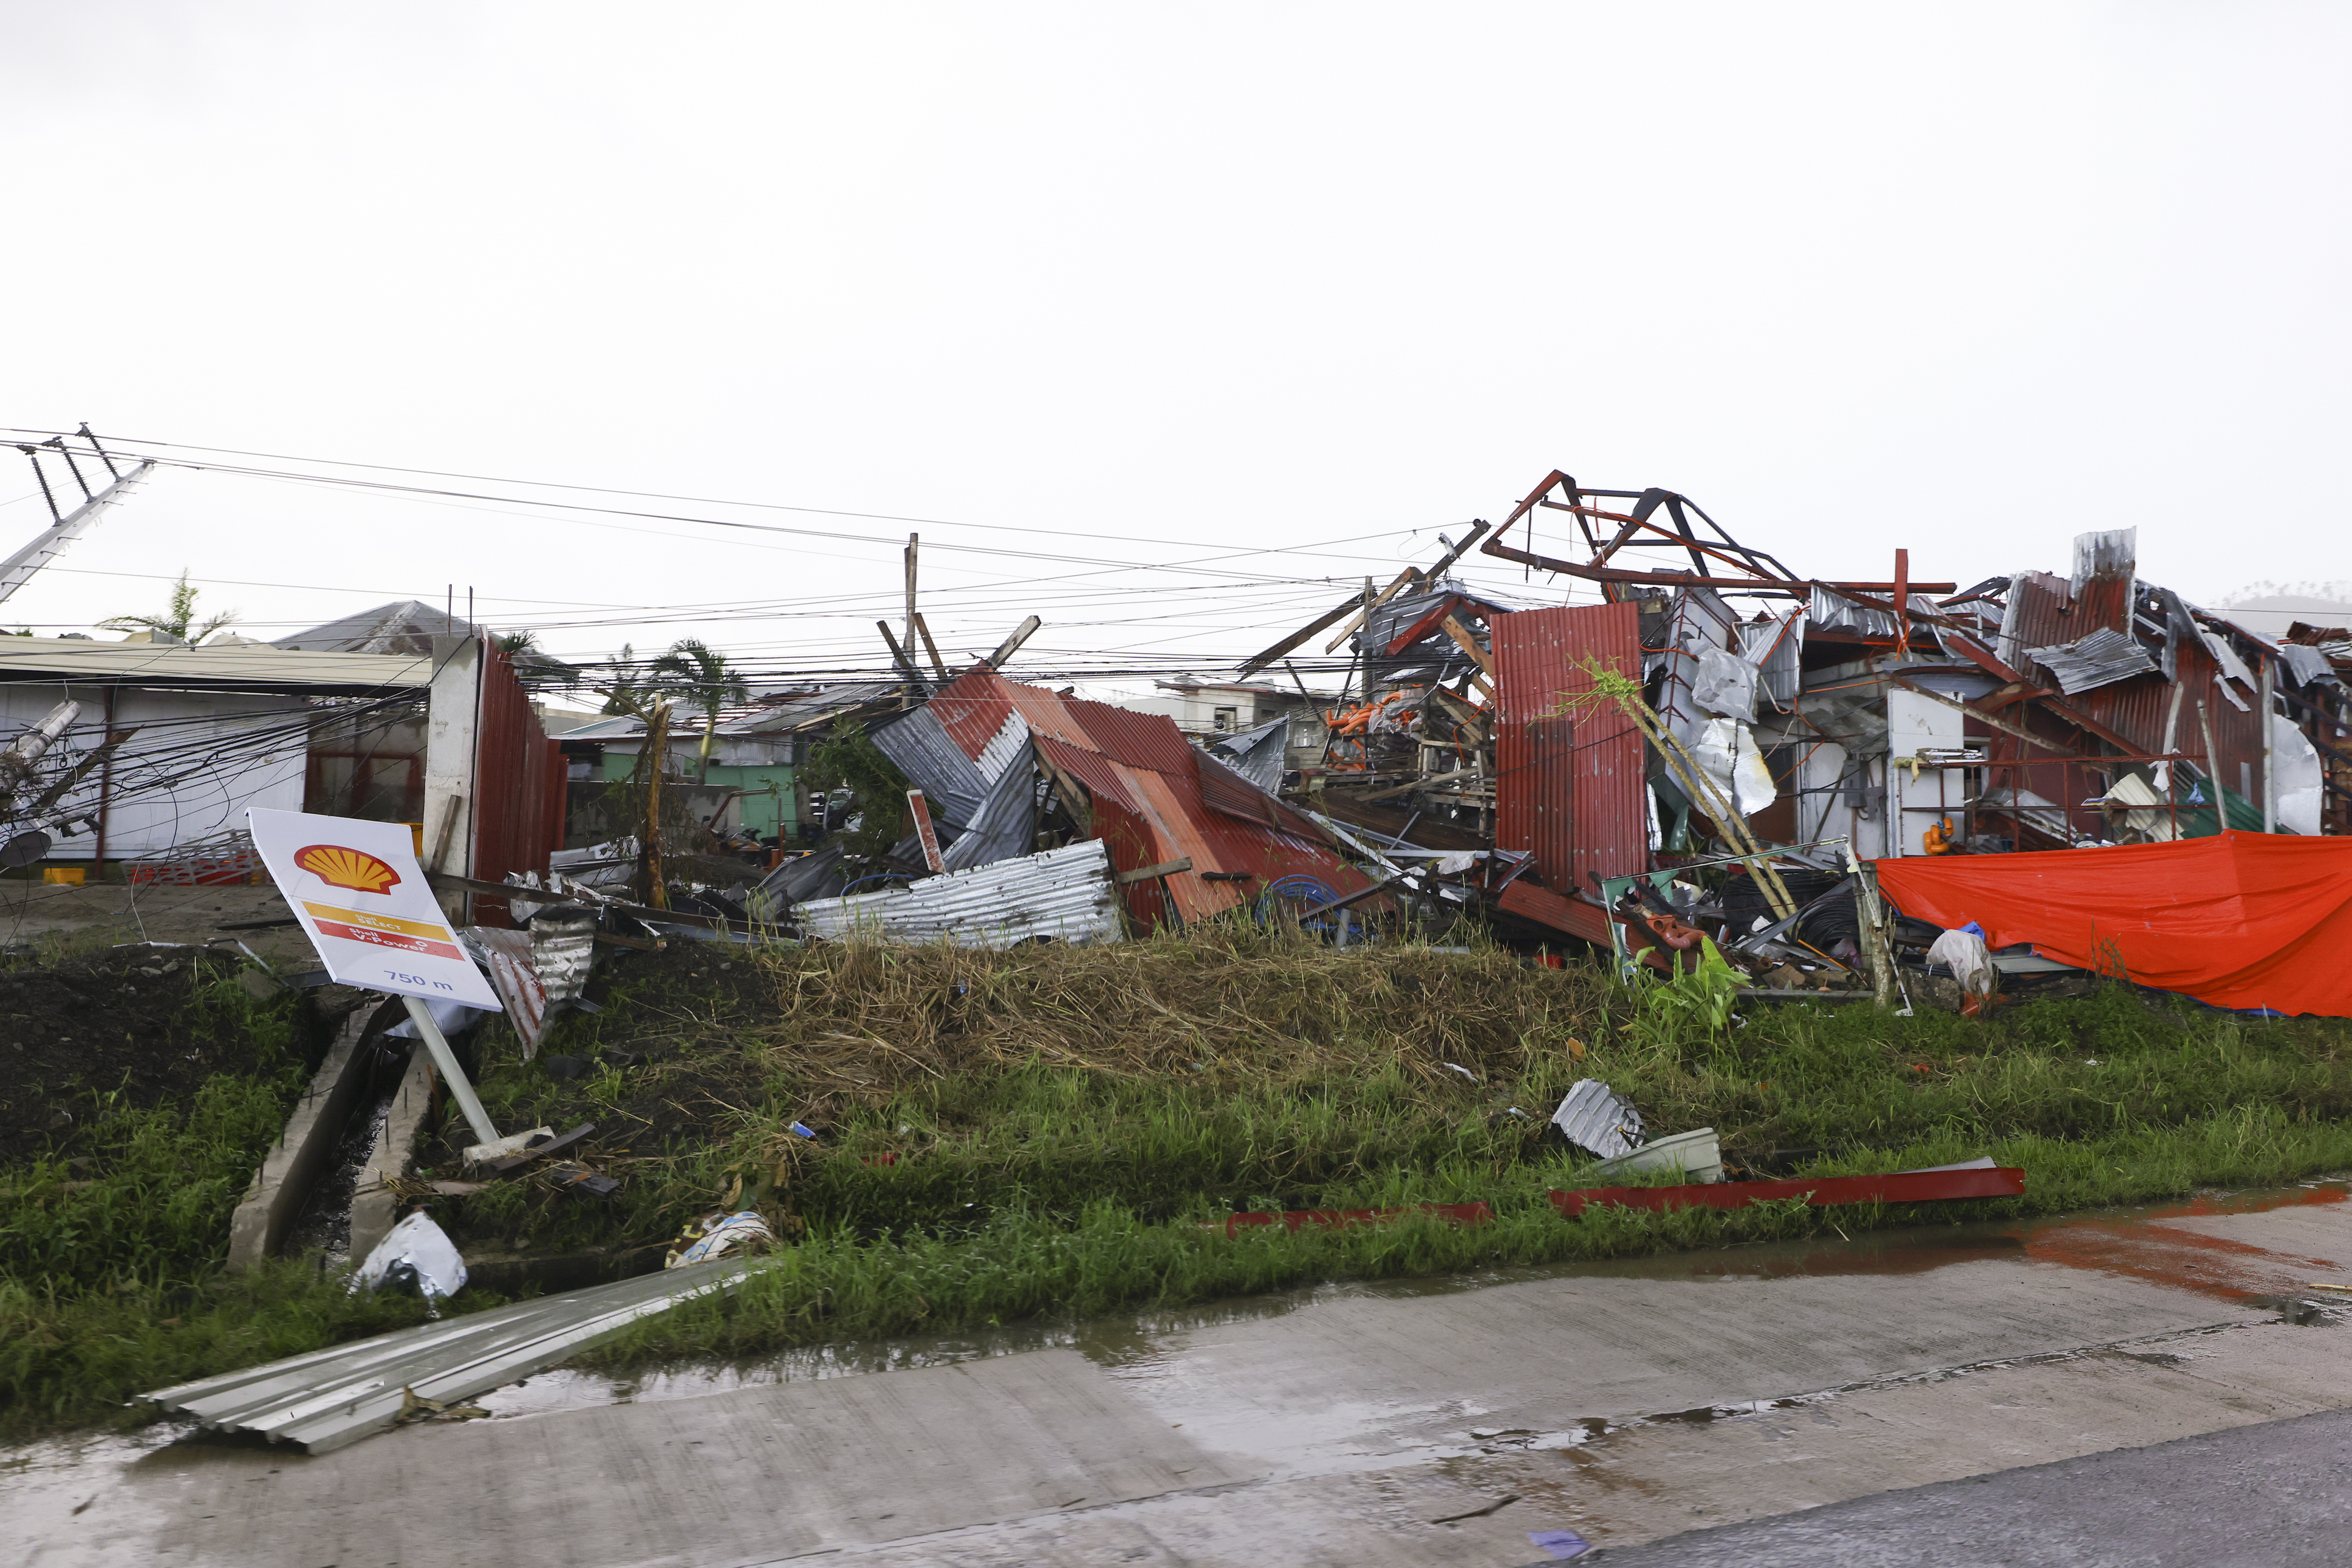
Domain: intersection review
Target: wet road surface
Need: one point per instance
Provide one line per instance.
(1417, 1422)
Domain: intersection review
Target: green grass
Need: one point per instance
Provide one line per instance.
(1043, 1133)
(112, 1254)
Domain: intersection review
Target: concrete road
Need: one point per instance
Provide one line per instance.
(2272, 1496)
(1412, 1424)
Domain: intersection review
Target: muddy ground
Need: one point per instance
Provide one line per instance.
(33, 915)
(110, 1027)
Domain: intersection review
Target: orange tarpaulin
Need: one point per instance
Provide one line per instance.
(2239, 920)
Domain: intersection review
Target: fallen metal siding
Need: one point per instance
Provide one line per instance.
(1213, 842)
(1777, 649)
(1153, 799)
(1593, 1118)
(1065, 893)
(1259, 755)
(329, 1398)
(2033, 616)
(924, 751)
(1009, 745)
(1572, 790)
(1006, 821)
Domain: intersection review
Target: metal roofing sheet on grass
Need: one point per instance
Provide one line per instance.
(331, 1397)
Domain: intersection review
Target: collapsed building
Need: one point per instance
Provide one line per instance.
(1549, 767)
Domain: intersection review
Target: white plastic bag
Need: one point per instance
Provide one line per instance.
(1970, 960)
(418, 1251)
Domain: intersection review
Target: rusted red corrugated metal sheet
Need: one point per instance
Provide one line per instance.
(2042, 615)
(1568, 784)
(1153, 800)
(1138, 739)
(518, 783)
(1546, 907)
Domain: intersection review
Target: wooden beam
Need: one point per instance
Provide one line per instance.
(899, 655)
(1153, 873)
(1075, 799)
(1365, 615)
(1461, 634)
(2001, 724)
(1010, 645)
(1429, 783)
(930, 647)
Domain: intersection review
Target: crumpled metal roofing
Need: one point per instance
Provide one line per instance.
(1065, 895)
(1776, 648)
(918, 743)
(1257, 755)
(329, 1398)
(1595, 1119)
(1155, 798)
(1006, 824)
(1833, 611)
(2098, 660)
(1008, 746)
(2305, 664)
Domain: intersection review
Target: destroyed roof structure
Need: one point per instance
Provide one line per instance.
(1753, 714)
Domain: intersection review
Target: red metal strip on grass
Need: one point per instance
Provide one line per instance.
(1822, 1192)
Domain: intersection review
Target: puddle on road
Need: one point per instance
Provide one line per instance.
(2132, 1242)
(2127, 1241)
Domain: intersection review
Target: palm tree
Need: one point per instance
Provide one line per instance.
(179, 621)
(625, 691)
(534, 667)
(698, 674)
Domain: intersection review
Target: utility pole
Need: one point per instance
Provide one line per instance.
(914, 543)
(657, 754)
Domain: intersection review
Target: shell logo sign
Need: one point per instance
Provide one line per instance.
(353, 869)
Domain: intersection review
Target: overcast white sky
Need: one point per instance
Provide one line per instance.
(1166, 284)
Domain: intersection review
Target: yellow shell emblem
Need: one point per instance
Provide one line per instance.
(338, 867)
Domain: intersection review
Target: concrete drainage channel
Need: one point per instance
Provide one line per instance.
(305, 1150)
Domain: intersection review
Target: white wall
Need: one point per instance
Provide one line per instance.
(183, 776)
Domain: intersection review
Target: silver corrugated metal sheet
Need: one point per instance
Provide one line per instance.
(2304, 665)
(255, 664)
(919, 744)
(1775, 648)
(562, 946)
(1009, 745)
(1595, 1119)
(2098, 660)
(2112, 553)
(1257, 755)
(1063, 893)
(1833, 611)
(1006, 824)
(810, 877)
(331, 1397)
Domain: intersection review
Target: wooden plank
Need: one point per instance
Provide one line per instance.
(1153, 873)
